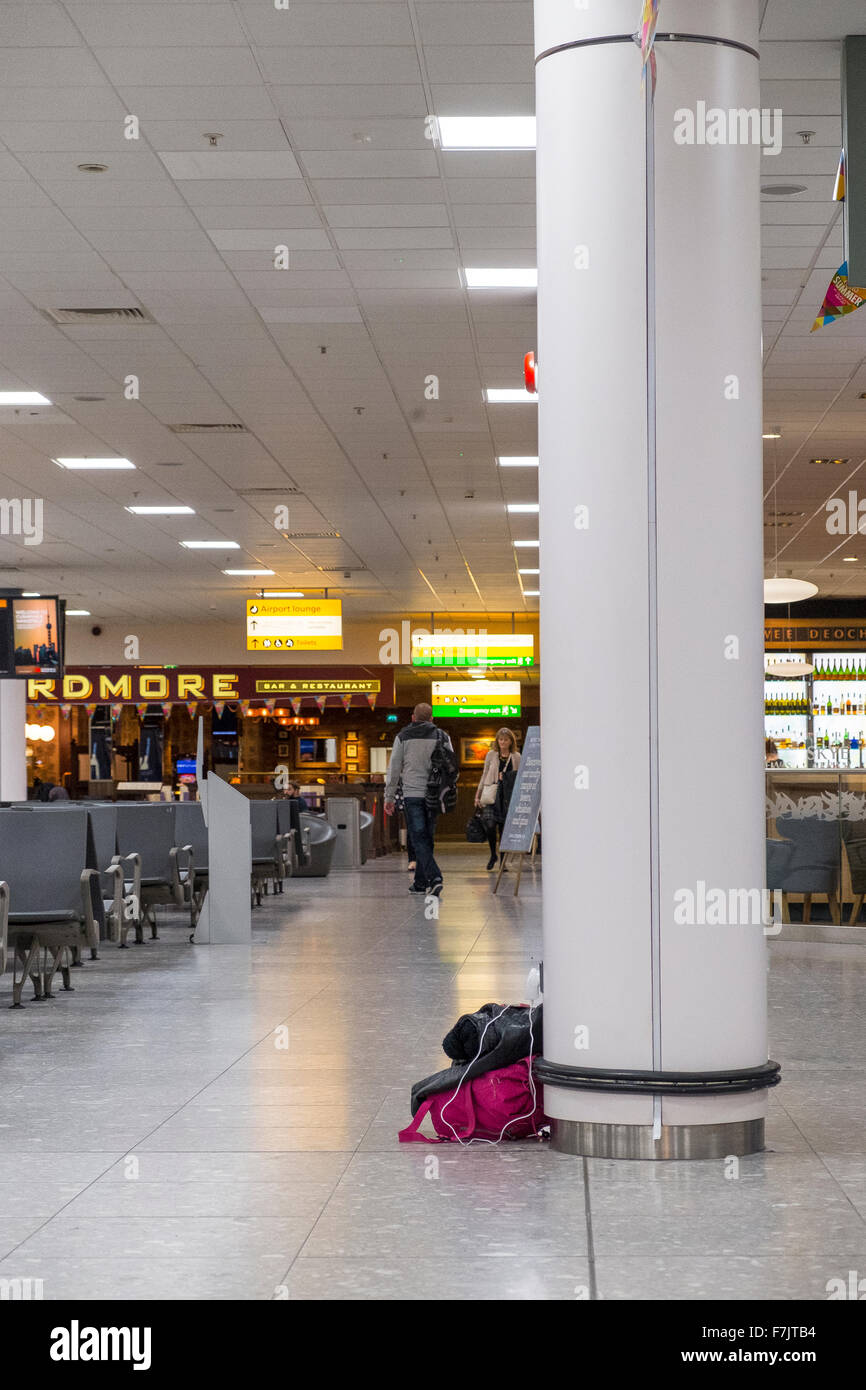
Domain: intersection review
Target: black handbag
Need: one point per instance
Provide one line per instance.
(475, 831)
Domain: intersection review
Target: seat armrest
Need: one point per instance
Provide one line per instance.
(115, 871)
(180, 889)
(4, 923)
(89, 881)
(135, 860)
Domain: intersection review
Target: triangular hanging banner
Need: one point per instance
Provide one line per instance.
(347, 703)
(295, 704)
(841, 298)
(371, 701)
(91, 710)
(167, 709)
(219, 706)
(191, 707)
(321, 700)
(270, 706)
(839, 189)
(647, 35)
(66, 710)
(245, 707)
(116, 710)
(141, 709)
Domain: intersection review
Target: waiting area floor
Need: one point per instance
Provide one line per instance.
(220, 1122)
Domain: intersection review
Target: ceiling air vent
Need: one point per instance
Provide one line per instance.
(312, 535)
(341, 569)
(128, 315)
(266, 491)
(208, 429)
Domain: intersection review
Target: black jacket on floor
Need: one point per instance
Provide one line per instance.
(506, 1040)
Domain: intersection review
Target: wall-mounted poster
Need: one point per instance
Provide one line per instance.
(351, 750)
(473, 751)
(351, 767)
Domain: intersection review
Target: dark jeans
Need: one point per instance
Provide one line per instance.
(421, 826)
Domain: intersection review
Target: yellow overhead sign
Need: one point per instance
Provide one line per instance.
(301, 625)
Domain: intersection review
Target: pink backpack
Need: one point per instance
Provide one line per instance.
(484, 1107)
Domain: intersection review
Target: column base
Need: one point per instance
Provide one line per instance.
(591, 1140)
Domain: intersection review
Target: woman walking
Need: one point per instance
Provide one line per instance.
(497, 783)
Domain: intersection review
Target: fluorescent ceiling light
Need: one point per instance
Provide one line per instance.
(510, 395)
(774, 433)
(282, 593)
(161, 511)
(517, 461)
(486, 132)
(30, 593)
(532, 593)
(78, 612)
(249, 571)
(501, 278)
(23, 398)
(529, 571)
(211, 545)
(523, 545)
(849, 559)
(523, 506)
(94, 463)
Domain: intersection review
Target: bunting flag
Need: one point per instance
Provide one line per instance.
(371, 701)
(191, 707)
(347, 703)
(245, 707)
(839, 190)
(647, 34)
(167, 708)
(841, 298)
(219, 706)
(321, 701)
(91, 710)
(296, 704)
(116, 710)
(270, 706)
(66, 710)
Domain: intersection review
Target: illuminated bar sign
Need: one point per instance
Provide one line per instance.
(473, 649)
(301, 625)
(477, 699)
(805, 632)
(133, 685)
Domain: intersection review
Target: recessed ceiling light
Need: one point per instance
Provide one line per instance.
(256, 571)
(509, 395)
(23, 398)
(78, 612)
(486, 132)
(501, 278)
(522, 507)
(282, 593)
(525, 545)
(849, 559)
(161, 511)
(518, 461)
(782, 190)
(529, 571)
(211, 545)
(87, 463)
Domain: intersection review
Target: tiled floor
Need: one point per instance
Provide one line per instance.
(163, 1136)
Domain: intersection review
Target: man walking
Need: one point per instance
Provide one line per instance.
(411, 762)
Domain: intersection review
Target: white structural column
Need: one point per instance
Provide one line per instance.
(13, 747)
(651, 575)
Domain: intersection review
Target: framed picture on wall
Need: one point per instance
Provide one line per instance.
(473, 751)
(351, 767)
(352, 736)
(282, 750)
(351, 750)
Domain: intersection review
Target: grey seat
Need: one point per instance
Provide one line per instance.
(320, 837)
(271, 852)
(813, 864)
(147, 829)
(43, 858)
(289, 823)
(191, 862)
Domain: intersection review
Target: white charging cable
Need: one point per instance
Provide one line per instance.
(466, 1142)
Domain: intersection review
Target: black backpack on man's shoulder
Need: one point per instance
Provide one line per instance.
(441, 795)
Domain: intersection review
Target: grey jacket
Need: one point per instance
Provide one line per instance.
(410, 759)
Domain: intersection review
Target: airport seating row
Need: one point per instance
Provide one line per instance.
(74, 874)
